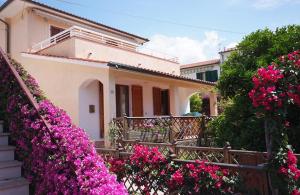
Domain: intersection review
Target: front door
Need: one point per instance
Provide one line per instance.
(137, 100)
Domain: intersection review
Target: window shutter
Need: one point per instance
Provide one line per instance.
(211, 76)
(137, 100)
(207, 76)
(156, 101)
(214, 75)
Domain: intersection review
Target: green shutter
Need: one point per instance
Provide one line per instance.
(211, 76)
(207, 76)
(214, 75)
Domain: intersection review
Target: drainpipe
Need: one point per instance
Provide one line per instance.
(7, 35)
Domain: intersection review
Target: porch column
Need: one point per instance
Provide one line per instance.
(213, 104)
(174, 102)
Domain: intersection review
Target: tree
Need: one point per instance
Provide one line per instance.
(195, 102)
(239, 123)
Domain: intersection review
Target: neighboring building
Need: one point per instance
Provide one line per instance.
(93, 71)
(225, 53)
(206, 70)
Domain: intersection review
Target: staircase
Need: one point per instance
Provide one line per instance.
(11, 182)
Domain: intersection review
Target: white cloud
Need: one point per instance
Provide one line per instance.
(263, 4)
(188, 50)
(231, 45)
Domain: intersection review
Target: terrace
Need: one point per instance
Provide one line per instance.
(88, 44)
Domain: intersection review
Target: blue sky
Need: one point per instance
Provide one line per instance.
(191, 29)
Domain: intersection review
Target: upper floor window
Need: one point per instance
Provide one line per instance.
(55, 30)
(200, 75)
(211, 76)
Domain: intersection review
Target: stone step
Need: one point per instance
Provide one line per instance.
(15, 186)
(1, 126)
(10, 169)
(4, 138)
(7, 153)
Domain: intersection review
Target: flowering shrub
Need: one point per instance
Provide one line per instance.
(288, 171)
(278, 84)
(201, 178)
(276, 87)
(265, 91)
(61, 160)
(150, 170)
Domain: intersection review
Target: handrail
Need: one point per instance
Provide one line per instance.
(26, 91)
(227, 165)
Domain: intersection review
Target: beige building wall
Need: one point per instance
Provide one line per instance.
(3, 39)
(61, 83)
(96, 51)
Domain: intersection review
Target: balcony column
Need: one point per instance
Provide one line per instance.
(213, 104)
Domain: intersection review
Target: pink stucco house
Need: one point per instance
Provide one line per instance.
(93, 71)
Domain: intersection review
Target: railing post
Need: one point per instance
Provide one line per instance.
(173, 151)
(125, 126)
(119, 149)
(201, 130)
(170, 128)
(226, 153)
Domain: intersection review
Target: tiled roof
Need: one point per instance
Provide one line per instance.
(198, 64)
(73, 15)
(156, 73)
(132, 68)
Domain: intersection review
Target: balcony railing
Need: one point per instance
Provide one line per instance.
(97, 37)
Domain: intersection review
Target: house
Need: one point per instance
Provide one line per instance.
(93, 71)
(206, 70)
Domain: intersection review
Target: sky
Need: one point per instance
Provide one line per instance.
(192, 30)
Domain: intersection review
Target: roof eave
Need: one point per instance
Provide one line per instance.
(156, 73)
(142, 39)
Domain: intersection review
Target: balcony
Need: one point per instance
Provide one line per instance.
(100, 38)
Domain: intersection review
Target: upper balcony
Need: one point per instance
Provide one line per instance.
(84, 43)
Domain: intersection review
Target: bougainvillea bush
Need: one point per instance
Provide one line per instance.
(58, 160)
(275, 89)
(288, 172)
(149, 170)
(278, 84)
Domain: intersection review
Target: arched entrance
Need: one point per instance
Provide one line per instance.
(91, 108)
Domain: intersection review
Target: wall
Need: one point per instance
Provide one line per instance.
(89, 95)
(79, 48)
(61, 82)
(19, 34)
(3, 39)
(108, 53)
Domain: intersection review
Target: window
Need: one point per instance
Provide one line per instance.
(211, 76)
(161, 102)
(200, 75)
(55, 30)
(165, 102)
(122, 100)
